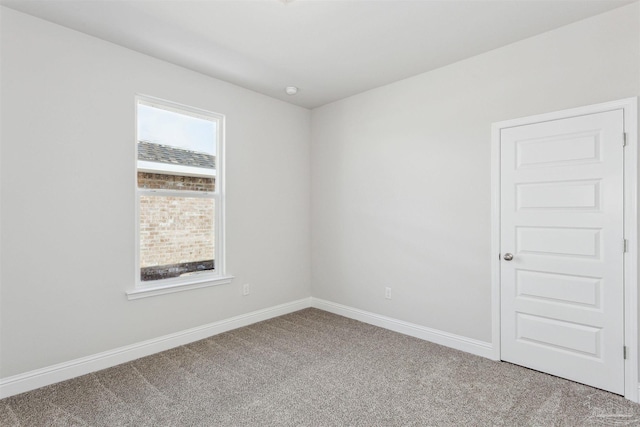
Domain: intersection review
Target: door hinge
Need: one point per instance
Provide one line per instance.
(625, 245)
(624, 139)
(624, 351)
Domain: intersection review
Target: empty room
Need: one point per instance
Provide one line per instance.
(319, 212)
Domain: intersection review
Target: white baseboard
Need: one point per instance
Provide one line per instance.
(469, 345)
(63, 371)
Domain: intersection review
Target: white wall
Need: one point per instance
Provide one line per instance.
(401, 174)
(68, 179)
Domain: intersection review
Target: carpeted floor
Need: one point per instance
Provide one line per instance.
(313, 368)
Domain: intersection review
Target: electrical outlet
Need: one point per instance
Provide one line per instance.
(387, 293)
(245, 289)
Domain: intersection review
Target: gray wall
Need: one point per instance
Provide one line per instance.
(401, 174)
(68, 181)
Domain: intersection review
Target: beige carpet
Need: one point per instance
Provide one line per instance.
(313, 368)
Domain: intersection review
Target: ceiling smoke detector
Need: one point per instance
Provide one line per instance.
(291, 90)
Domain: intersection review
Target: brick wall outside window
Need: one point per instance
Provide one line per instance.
(175, 182)
(175, 230)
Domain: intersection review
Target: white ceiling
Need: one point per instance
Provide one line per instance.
(330, 49)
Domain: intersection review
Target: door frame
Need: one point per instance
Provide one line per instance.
(630, 111)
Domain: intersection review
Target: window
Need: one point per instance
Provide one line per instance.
(180, 205)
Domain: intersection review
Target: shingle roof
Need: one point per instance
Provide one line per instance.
(159, 153)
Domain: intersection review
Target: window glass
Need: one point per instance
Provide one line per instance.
(176, 236)
(178, 201)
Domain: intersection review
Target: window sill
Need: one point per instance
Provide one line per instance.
(194, 283)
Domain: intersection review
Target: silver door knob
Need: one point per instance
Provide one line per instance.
(508, 257)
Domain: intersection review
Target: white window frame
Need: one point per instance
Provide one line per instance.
(219, 275)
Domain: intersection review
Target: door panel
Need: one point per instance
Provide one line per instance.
(562, 219)
(559, 150)
(558, 334)
(566, 241)
(559, 288)
(578, 195)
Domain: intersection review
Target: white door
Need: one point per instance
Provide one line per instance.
(562, 222)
